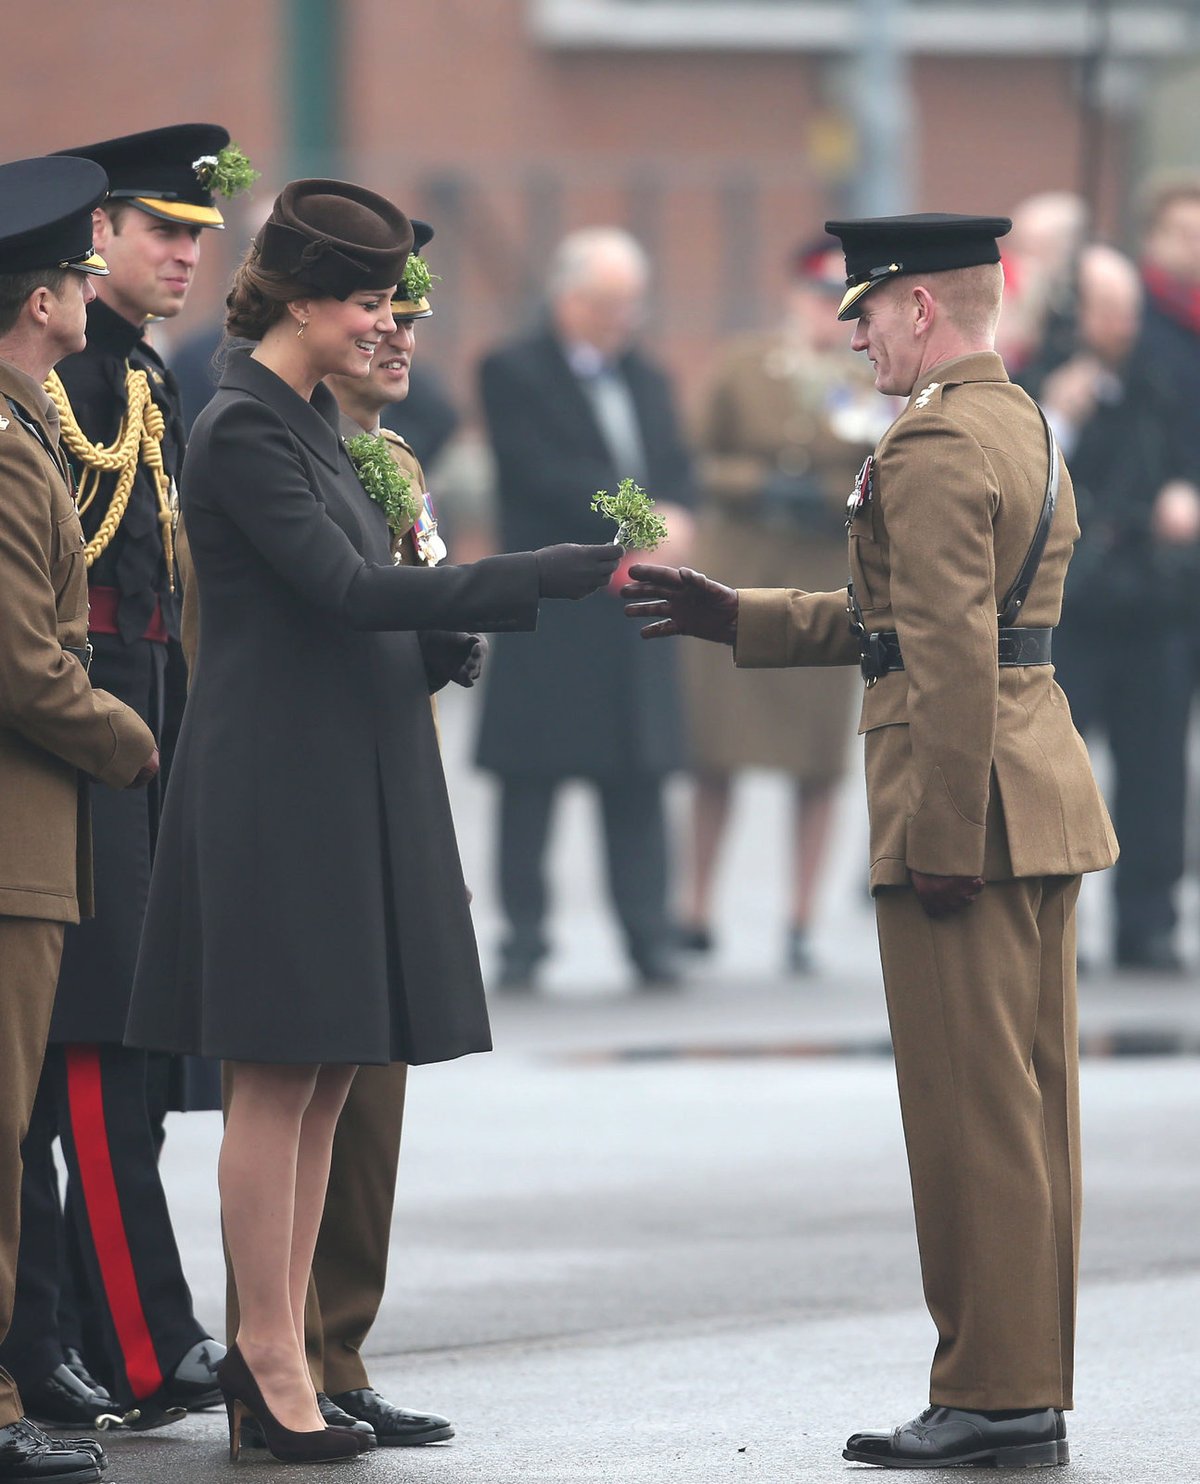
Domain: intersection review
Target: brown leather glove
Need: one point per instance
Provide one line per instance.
(683, 602)
(942, 895)
(571, 571)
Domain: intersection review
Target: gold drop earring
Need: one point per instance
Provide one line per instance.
(301, 330)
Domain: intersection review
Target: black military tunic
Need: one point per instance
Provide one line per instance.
(99, 956)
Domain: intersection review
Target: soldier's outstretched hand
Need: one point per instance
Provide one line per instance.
(681, 601)
(572, 571)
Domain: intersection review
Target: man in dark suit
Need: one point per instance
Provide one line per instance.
(572, 409)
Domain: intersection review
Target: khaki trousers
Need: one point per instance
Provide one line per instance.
(30, 954)
(350, 1262)
(983, 1016)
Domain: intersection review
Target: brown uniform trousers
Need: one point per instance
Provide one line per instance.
(971, 770)
(53, 728)
(350, 1261)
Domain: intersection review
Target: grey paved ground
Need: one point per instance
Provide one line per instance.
(649, 1239)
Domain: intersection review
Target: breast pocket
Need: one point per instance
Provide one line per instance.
(66, 559)
(868, 561)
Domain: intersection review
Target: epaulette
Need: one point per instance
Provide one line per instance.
(391, 436)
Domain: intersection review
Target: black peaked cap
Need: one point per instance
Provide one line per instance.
(46, 214)
(335, 237)
(156, 170)
(881, 247)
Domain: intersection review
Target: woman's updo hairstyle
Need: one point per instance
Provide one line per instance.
(326, 238)
(258, 297)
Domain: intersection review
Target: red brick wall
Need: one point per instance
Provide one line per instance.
(458, 87)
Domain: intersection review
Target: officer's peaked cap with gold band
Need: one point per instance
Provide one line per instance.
(882, 247)
(335, 238)
(46, 215)
(402, 306)
(156, 171)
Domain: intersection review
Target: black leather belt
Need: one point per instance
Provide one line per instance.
(84, 655)
(1014, 647)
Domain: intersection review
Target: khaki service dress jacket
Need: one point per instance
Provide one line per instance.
(972, 769)
(54, 728)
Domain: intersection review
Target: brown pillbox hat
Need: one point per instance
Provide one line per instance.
(335, 237)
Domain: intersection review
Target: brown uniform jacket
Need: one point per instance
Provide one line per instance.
(53, 725)
(971, 769)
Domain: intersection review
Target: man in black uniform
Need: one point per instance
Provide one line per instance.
(121, 427)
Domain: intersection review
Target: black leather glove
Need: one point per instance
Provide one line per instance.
(942, 895)
(571, 571)
(684, 602)
(452, 657)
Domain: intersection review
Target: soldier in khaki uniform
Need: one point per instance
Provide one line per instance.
(350, 1262)
(55, 730)
(984, 812)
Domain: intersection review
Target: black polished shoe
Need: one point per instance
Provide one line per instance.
(799, 954)
(253, 1437)
(394, 1427)
(656, 967)
(193, 1382)
(948, 1437)
(191, 1387)
(28, 1456)
(64, 1400)
(692, 937)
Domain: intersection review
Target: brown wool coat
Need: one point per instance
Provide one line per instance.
(970, 768)
(770, 405)
(53, 725)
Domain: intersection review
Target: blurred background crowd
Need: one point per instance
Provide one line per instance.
(628, 198)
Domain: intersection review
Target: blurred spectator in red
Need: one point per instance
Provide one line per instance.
(1040, 255)
(1171, 275)
(1121, 649)
(787, 419)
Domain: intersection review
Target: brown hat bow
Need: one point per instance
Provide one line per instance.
(335, 237)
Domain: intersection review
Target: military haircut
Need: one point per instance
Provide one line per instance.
(969, 297)
(16, 288)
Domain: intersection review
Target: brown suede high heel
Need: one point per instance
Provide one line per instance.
(242, 1396)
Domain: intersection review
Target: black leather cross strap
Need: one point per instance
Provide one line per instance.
(1014, 647)
(1014, 599)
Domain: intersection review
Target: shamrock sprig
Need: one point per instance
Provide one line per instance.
(227, 173)
(417, 278)
(386, 484)
(632, 508)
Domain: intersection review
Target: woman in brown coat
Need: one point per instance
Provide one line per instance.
(788, 418)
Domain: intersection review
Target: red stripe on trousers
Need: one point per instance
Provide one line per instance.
(85, 1095)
